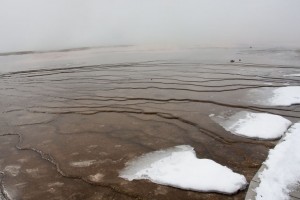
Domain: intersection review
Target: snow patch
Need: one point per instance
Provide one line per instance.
(179, 167)
(254, 125)
(285, 96)
(282, 167)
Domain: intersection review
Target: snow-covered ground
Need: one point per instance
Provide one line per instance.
(179, 167)
(285, 96)
(283, 168)
(254, 125)
(280, 96)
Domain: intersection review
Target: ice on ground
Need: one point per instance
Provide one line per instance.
(282, 170)
(254, 125)
(285, 96)
(179, 167)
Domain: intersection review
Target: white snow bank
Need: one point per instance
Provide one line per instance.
(254, 125)
(283, 167)
(285, 96)
(179, 167)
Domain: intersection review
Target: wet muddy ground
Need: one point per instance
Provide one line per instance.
(71, 120)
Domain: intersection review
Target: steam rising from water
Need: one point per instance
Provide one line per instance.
(54, 24)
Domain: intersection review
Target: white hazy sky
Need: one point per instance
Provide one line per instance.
(56, 24)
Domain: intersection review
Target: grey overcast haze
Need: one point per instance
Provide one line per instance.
(57, 24)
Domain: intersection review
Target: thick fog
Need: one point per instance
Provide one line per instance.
(57, 24)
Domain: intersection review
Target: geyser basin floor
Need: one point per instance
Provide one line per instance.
(69, 128)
